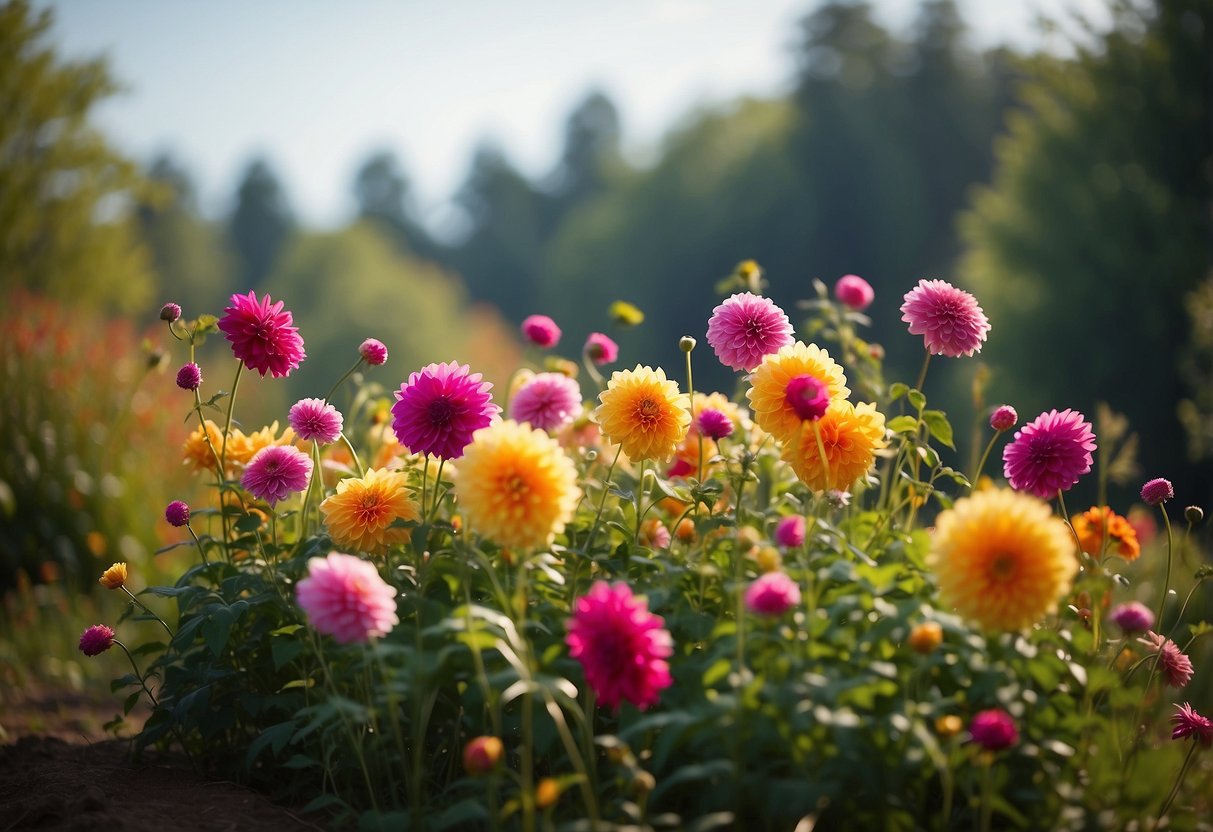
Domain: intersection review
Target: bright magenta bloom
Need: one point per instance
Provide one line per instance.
(1176, 668)
(96, 640)
(170, 312)
(548, 401)
(1133, 617)
(263, 336)
(276, 472)
(808, 396)
(948, 318)
(373, 352)
(1003, 418)
(772, 595)
(745, 328)
(854, 291)
(714, 424)
(189, 377)
(994, 729)
(344, 597)
(621, 646)
(790, 531)
(601, 349)
(1157, 491)
(440, 408)
(177, 513)
(1049, 454)
(315, 420)
(1188, 723)
(541, 331)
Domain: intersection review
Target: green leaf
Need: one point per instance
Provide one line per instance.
(903, 424)
(129, 704)
(937, 422)
(917, 399)
(217, 629)
(248, 523)
(896, 390)
(284, 650)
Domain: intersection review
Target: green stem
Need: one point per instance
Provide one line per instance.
(328, 397)
(639, 499)
(353, 454)
(982, 464)
(698, 432)
(144, 607)
(1166, 584)
(987, 795)
(821, 450)
(606, 490)
(1183, 771)
(922, 375)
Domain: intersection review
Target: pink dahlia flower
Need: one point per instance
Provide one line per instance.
(713, 424)
(790, 532)
(263, 336)
(622, 646)
(1133, 617)
(1003, 418)
(1049, 454)
(189, 377)
(1176, 668)
(276, 472)
(373, 352)
(772, 595)
(315, 420)
(549, 401)
(177, 513)
(440, 407)
(541, 331)
(96, 640)
(855, 292)
(1157, 491)
(994, 729)
(948, 318)
(745, 328)
(344, 597)
(601, 349)
(808, 396)
(1188, 723)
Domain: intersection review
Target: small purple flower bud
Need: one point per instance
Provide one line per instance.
(177, 513)
(189, 377)
(170, 312)
(1157, 491)
(373, 352)
(1003, 418)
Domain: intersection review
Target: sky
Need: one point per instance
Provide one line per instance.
(317, 86)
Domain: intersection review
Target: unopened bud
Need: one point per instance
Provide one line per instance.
(686, 343)
(1194, 514)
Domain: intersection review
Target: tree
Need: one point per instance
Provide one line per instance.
(591, 147)
(261, 223)
(381, 190)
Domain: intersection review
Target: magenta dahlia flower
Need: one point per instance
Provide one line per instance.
(601, 349)
(790, 532)
(177, 513)
(344, 597)
(1049, 454)
(1176, 668)
(948, 318)
(263, 336)
(855, 292)
(549, 401)
(440, 407)
(746, 327)
(373, 352)
(994, 729)
(541, 331)
(189, 377)
(808, 396)
(1003, 418)
(622, 646)
(276, 472)
(316, 420)
(1188, 723)
(96, 640)
(713, 424)
(1133, 617)
(1157, 491)
(772, 595)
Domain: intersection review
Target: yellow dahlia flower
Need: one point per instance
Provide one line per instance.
(196, 453)
(851, 436)
(515, 485)
(1002, 559)
(768, 393)
(359, 516)
(644, 413)
(241, 447)
(114, 577)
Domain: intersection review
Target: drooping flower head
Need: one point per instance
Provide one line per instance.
(1122, 537)
(548, 401)
(373, 352)
(746, 327)
(1132, 617)
(262, 335)
(177, 513)
(850, 434)
(948, 318)
(790, 531)
(772, 594)
(114, 577)
(170, 312)
(277, 472)
(1189, 723)
(994, 729)
(1002, 559)
(440, 408)
(713, 424)
(1176, 668)
(644, 413)
(1049, 454)
(315, 420)
(621, 646)
(778, 387)
(360, 515)
(516, 485)
(601, 349)
(344, 597)
(96, 640)
(1003, 418)
(1157, 491)
(541, 331)
(855, 292)
(189, 377)
(482, 754)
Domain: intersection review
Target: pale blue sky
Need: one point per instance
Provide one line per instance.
(317, 85)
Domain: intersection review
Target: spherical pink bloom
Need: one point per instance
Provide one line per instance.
(1049, 454)
(1133, 617)
(96, 640)
(1188, 723)
(344, 597)
(713, 424)
(601, 349)
(746, 327)
(170, 312)
(948, 318)
(854, 291)
(373, 352)
(276, 472)
(549, 401)
(622, 646)
(440, 407)
(808, 396)
(994, 729)
(189, 377)
(263, 336)
(177, 513)
(1003, 418)
(1157, 491)
(316, 419)
(1176, 668)
(790, 531)
(541, 331)
(772, 595)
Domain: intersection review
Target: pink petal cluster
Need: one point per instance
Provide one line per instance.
(276, 472)
(315, 420)
(262, 335)
(621, 646)
(1132, 617)
(344, 597)
(601, 349)
(170, 312)
(855, 292)
(994, 729)
(177, 513)
(790, 532)
(1176, 668)
(96, 640)
(948, 318)
(373, 352)
(714, 424)
(1049, 454)
(549, 401)
(189, 377)
(772, 595)
(746, 327)
(1157, 491)
(1188, 723)
(808, 396)
(541, 331)
(1003, 418)
(440, 407)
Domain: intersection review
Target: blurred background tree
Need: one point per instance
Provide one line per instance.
(261, 224)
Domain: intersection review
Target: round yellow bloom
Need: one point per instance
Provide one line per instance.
(243, 447)
(114, 577)
(1089, 527)
(1003, 560)
(851, 436)
(196, 453)
(359, 516)
(644, 413)
(516, 486)
(768, 393)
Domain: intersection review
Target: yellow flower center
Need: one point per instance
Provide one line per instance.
(1003, 566)
(648, 412)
